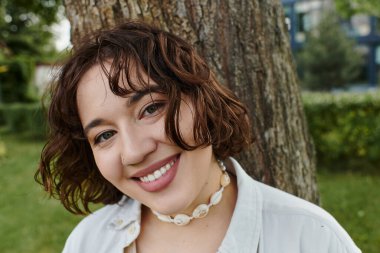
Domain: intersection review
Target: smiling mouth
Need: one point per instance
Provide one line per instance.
(158, 173)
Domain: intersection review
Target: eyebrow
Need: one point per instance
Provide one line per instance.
(137, 95)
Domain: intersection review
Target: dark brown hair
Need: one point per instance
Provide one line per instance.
(67, 168)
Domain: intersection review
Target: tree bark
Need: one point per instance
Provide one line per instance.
(246, 45)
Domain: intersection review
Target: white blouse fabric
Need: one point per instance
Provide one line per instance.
(265, 220)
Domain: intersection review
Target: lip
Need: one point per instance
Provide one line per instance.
(163, 181)
(151, 168)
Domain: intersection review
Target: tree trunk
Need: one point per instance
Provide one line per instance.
(246, 44)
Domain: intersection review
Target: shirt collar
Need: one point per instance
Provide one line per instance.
(129, 211)
(244, 230)
(127, 220)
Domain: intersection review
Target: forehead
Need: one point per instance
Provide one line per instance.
(94, 87)
(93, 91)
(122, 80)
(94, 76)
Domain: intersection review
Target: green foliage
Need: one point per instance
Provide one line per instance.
(329, 59)
(25, 38)
(24, 26)
(2, 117)
(347, 8)
(345, 128)
(14, 83)
(24, 118)
(3, 149)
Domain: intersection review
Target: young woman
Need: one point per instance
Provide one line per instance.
(139, 123)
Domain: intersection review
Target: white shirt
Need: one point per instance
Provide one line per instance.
(265, 220)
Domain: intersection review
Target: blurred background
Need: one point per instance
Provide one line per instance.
(336, 48)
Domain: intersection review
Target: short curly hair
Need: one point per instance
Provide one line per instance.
(67, 167)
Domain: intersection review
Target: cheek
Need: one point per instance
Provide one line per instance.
(109, 166)
(187, 132)
(156, 132)
(186, 124)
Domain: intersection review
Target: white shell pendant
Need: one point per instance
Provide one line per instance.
(216, 197)
(225, 180)
(201, 211)
(181, 219)
(164, 218)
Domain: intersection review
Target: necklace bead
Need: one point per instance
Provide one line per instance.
(181, 219)
(224, 180)
(216, 197)
(201, 211)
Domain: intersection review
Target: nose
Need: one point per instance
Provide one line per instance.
(135, 146)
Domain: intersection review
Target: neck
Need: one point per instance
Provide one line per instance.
(222, 210)
(211, 186)
(194, 237)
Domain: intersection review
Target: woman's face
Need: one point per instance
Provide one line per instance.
(132, 151)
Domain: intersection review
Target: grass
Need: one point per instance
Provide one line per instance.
(32, 223)
(353, 199)
(29, 221)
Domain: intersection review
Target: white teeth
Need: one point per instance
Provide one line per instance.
(157, 173)
(150, 177)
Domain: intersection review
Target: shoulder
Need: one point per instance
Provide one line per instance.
(105, 225)
(289, 223)
(300, 222)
